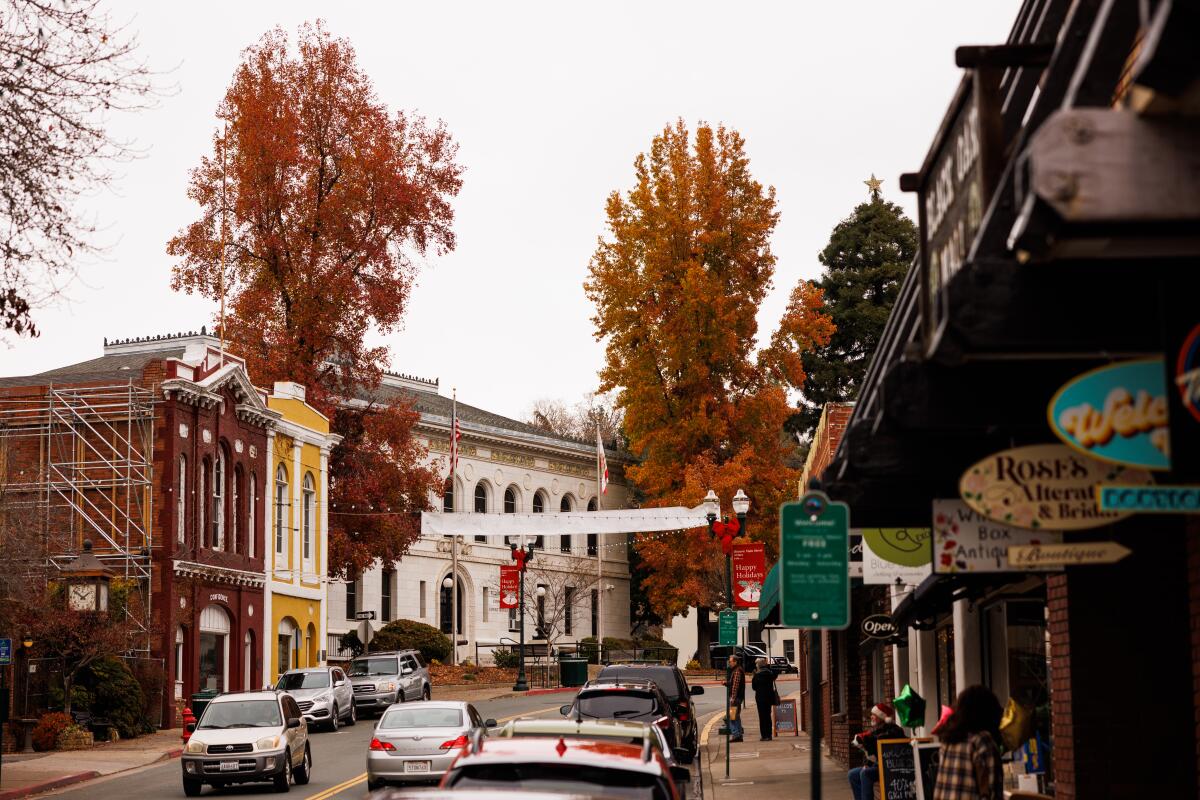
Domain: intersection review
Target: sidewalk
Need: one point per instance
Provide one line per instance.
(778, 768)
(24, 775)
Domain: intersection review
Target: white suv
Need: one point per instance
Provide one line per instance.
(248, 737)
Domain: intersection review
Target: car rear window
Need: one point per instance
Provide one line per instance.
(616, 704)
(564, 778)
(422, 718)
(665, 677)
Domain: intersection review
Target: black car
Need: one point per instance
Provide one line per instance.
(781, 666)
(629, 700)
(670, 680)
(718, 655)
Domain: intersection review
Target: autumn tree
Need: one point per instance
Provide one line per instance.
(326, 202)
(64, 67)
(676, 282)
(865, 260)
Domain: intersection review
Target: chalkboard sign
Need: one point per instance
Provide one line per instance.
(897, 770)
(928, 754)
(785, 718)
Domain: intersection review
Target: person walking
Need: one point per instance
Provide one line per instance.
(969, 765)
(766, 696)
(863, 779)
(736, 684)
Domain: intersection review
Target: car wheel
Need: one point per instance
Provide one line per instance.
(334, 720)
(304, 773)
(374, 784)
(426, 693)
(283, 781)
(192, 788)
(353, 718)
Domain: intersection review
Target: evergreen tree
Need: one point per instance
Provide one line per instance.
(865, 261)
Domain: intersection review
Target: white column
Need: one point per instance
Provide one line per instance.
(296, 487)
(322, 567)
(922, 647)
(967, 652)
(267, 498)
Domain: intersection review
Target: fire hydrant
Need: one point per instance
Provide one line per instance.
(188, 719)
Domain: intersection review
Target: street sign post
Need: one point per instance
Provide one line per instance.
(5, 652)
(1074, 554)
(814, 547)
(727, 628)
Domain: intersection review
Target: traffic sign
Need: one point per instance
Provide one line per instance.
(5, 652)
(364, 615)
(814, 547)
(1065, 555)
(727, 628)
(743, 618)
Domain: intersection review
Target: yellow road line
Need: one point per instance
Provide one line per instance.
(352, 782)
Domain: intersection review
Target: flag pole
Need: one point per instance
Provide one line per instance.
(454, 539)
(599, 554)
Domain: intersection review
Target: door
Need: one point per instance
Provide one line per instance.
(343, 693)
(296, 736)
(410, 683)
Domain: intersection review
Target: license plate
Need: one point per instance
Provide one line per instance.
(416, 766)
(229, 766)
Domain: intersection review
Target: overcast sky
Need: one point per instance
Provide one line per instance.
(550, 103)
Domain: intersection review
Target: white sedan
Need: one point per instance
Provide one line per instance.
(418, 741)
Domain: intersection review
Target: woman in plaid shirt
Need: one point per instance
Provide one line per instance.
(969, 767)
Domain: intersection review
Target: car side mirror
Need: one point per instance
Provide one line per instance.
(338, 684)
(695, 690)
(294, 722)
(565, 710)
(190, 727)
(490, 723)
(406, 671)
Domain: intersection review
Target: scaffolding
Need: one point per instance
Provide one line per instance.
(79, 461)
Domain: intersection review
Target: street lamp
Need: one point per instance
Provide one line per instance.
(522, 555)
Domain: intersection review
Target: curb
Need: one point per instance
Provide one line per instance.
(533, 692)
(45, 786)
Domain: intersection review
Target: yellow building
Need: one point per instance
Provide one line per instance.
(296, 544)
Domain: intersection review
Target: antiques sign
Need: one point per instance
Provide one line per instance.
(965, 541)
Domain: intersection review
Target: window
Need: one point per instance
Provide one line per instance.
(385, 595)
(422, 598)
(510, 507)
(512, 620)
(214, 649)
(485, 603)
(564, 541)
(218, 501)
(287, 644)
(446, 608)
(592, 504)
(351, 598)
(595, 611)
(569, 610)
(234, 508)
(179, 658)
(310, 502)
(540, 633)
(248, 661)
(201, 502)
(181, 501)
(448, 497)
(251, 510)
(592, 546)
(789, 651)
(281, 508)
(539, 507)
(481, 504)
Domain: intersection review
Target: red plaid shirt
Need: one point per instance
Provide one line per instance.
(970, 770)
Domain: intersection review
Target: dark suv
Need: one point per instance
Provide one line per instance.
(670, 680)
(638, 700)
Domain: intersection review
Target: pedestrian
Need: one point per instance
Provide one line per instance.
(864, 778)
(766, 696)
(969, 765)
(736, 685)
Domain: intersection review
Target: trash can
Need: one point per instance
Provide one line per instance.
(573, 671)
(200, 702)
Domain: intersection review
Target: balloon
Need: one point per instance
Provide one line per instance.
(1016, 725)
(910, 708)
(946, 712)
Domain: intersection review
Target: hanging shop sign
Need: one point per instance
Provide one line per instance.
(879, 626)
(856, 555)
(1074, 554)
(966, 541)
(1187, 372)
(1045, 486)
(1116, 413)
(749, 566)
(895, 555)
(814, 557)
(1150, 499)
(510, 585)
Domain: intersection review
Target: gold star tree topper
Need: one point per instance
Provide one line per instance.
(873, 185)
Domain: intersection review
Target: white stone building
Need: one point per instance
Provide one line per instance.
(505, 466)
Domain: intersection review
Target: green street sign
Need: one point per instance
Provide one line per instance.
(814, 572)
(727, 625)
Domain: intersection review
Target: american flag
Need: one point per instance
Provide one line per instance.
(602, 468)
(455, 435)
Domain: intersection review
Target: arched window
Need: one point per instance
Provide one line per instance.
(181, 502)
(202, 502)
(448, 497)
(251, 512)
(214, 649)
(510, 507)
(564, 541)
(281, 508)
(446, 608)
(288, 645)
(592, 543)
(481, 504)
(235, 509)
(248, 672)
(310, 511)
(218, 501)
(539, 507)
(592, 504)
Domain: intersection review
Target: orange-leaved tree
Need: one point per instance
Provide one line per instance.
(676, 283)
(326, 201)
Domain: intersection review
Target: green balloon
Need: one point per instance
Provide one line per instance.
(910, 708)
(909, 547)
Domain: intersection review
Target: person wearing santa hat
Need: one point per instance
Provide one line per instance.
(864, 778)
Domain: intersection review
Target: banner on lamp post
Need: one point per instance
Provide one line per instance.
(749, 563)
(510, 585)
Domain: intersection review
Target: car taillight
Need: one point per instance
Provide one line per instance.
(683, 716)
(450, 744)
(663, 722)
(378, 745)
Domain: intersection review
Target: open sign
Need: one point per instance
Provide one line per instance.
(879, 626)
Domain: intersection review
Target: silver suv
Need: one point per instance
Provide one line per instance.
(323, 694)
(380, 679)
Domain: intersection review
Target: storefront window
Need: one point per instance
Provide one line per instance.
(1015, 658)
(214, 649)
(945, 665)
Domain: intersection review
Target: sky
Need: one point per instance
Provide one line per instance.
(549, 103)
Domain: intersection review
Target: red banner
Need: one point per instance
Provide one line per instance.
(749, 571)
(510, 585)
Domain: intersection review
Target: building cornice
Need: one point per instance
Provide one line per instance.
(211, 572)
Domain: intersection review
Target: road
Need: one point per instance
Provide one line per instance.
(338, 758)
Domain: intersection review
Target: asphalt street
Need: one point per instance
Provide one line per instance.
(338, 758)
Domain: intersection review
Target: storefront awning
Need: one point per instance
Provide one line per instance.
(935, 595)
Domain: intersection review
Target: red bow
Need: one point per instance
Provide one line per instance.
(520, 556)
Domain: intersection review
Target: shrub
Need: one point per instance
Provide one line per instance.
(506, 659)
(49, 728)
(693, 664)
(117, 696)
(406, 634)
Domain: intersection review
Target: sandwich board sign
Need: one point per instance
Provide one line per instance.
(814, 548)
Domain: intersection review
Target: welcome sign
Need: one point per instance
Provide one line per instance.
(1116, 413)
(965, 541)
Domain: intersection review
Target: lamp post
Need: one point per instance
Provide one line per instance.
(522, 555)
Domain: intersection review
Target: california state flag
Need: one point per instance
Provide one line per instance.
(602, 464)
